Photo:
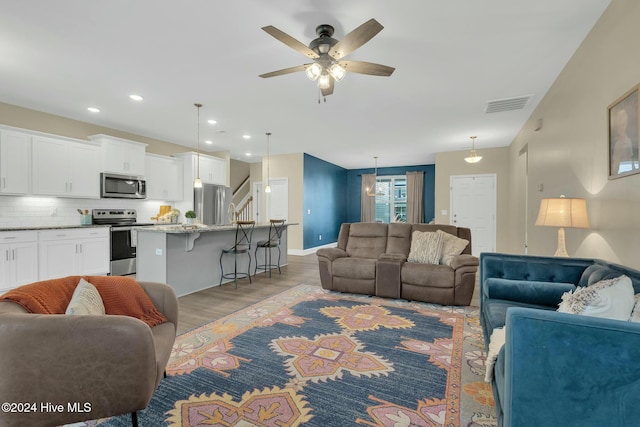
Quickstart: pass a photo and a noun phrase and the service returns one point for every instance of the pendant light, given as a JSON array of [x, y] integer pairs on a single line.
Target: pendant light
[[267, 188], [473, 157], [375, 190], [197, 183]]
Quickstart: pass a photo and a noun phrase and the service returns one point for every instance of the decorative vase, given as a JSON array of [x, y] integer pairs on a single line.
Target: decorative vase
[[191, 221]]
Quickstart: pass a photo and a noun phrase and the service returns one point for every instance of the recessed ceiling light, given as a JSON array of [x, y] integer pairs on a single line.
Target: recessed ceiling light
[[94, 109], [247, 154], [136, 97], [208, 141], [211, 122], [246, 136]]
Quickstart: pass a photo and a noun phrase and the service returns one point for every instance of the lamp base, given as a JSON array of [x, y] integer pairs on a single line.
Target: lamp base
[[562, 249]]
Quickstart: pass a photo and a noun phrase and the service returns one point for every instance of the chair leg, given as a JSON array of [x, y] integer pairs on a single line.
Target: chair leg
[[235, 269], [269, 257], [249, 268], [221, 270], [134, 419], [279, 253], [255, 271]]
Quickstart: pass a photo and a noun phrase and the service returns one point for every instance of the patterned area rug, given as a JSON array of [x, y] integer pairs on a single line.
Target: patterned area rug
[[317, 358]]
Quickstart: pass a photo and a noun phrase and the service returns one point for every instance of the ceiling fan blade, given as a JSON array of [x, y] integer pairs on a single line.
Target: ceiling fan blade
[[284, 71], [290, 41], [328, 91], [355, 39], [369, 68]]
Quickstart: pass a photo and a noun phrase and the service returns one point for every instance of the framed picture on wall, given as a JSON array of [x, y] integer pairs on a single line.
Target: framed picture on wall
[[623, 135]]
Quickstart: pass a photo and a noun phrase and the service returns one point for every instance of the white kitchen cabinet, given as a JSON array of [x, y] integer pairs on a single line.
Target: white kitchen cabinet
[[73, 252], [121, 156], [19, 259], [15, 162], [213, 170], [65, 168], [164, 178]]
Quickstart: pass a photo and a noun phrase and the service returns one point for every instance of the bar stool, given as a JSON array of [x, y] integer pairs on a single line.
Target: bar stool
[[244, 231], [276, 226]]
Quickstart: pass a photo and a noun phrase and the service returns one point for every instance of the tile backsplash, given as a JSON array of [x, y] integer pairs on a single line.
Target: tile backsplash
[[28, 211]]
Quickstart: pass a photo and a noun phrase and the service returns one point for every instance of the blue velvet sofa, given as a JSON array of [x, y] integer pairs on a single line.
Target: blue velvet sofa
[[558, 369]]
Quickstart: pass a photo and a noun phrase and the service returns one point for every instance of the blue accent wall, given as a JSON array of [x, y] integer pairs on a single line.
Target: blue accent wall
[[325, 196], [354, 185]]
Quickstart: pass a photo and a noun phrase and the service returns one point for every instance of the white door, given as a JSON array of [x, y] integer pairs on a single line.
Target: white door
[[473, 205], [257, 202], [278, 199]]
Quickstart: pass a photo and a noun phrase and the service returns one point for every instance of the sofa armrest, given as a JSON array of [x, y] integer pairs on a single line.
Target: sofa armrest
[[106, 360], [164, 298], [570, 370], [331, 254], [526, 291], [464, 260], [388, 275]]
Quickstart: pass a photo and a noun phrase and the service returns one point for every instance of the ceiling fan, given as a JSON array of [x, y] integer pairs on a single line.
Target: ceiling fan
[[327, 53]]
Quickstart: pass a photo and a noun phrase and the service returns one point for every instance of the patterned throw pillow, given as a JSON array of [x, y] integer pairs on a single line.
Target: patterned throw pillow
[[611, 299], [635, 313], [426, 247], [85, 300], [451, 246]]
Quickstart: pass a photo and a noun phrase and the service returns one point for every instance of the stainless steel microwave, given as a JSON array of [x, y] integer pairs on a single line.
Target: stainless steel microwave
[[122, 186]]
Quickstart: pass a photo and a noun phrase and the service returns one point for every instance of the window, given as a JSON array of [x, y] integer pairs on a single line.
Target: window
[[391, 199]]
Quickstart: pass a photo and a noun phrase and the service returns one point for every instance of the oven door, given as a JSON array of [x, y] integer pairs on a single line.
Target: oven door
[[123, 252]]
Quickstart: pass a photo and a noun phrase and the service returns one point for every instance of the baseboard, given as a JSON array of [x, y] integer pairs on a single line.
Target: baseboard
[[310, 251]]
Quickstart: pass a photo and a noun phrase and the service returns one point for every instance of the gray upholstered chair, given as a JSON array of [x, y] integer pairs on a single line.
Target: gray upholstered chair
[[106, 365]]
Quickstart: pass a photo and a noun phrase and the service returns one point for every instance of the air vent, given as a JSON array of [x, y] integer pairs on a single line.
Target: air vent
[[508, 104]]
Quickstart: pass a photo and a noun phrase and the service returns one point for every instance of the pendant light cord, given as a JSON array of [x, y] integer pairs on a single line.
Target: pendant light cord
[[268, 175], [198, 156]]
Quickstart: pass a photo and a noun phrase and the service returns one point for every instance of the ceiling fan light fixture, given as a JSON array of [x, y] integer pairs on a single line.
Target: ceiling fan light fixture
[[313, 71], [337, 72], [324, 81]]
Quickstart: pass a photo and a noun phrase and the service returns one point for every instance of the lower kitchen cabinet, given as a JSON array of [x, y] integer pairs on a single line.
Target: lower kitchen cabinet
[[19, 263], [74, 252]]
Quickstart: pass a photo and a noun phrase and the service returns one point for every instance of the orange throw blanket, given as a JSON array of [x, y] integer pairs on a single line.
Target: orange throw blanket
[[120, 296]]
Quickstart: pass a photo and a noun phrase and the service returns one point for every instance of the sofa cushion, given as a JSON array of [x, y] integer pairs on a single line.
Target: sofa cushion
[[434, 275], [426, 247], [526, 291], [357, 268], [609, 298], [494, 311], [399, 238], [451, 247], [596, 273], [367, 240], [85, 300]]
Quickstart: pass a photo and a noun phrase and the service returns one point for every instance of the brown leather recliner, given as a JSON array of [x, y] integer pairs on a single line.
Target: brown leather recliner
[[370, 258], [94, 366]]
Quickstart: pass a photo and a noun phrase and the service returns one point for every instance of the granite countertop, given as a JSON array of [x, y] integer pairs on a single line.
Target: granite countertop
[[199, 228], [48, 227]]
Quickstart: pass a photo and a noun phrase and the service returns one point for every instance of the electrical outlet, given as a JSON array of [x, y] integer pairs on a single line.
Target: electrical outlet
[[53, 211], [159, 252], [308, 211], [320, 237]]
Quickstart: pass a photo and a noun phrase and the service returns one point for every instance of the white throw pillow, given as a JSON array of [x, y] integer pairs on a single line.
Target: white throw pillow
[[426, 247], [635, 313], [85, 300], [611, 299], [451, 246]]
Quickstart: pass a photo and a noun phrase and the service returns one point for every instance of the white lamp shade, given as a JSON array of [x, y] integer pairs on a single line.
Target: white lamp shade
[[337, 72], [563, 212], [313, 71], [323, 81]]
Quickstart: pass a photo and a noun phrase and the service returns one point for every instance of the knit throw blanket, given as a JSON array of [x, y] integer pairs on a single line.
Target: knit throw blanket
[[120, 296]]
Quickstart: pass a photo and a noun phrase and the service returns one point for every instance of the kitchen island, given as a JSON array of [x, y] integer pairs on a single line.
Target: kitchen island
[[188, 257]]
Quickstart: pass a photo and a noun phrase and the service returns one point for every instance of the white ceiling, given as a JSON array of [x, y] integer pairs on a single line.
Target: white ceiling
[[451, 58]]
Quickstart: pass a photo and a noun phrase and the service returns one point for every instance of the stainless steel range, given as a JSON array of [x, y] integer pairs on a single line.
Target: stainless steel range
[[123, 237]]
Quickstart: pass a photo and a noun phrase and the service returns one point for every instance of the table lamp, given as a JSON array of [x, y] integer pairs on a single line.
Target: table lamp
[[563, 212]]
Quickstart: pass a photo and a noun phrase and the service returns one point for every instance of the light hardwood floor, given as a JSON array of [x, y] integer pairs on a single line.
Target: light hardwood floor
[[210, 304]]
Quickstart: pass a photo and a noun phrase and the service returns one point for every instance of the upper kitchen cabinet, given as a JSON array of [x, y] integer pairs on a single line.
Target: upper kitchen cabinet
[[121, 155], [213, 170], [164, 178], [15, 162], [65, 168]]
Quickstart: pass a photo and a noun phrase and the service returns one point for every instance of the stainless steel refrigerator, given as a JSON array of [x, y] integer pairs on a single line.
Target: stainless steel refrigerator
[[211, 203]]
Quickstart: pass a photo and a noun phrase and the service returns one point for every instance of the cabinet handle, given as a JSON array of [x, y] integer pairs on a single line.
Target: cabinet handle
[[13, 254], [6, 255], [80, 247], [61, 235], [71, 187], [4, 182]]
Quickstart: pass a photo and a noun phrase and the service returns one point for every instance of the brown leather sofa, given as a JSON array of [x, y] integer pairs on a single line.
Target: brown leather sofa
[[104, 365], [371, 258]]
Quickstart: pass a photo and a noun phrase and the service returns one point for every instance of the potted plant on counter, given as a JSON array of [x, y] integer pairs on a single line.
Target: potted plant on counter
[[190, 216]]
